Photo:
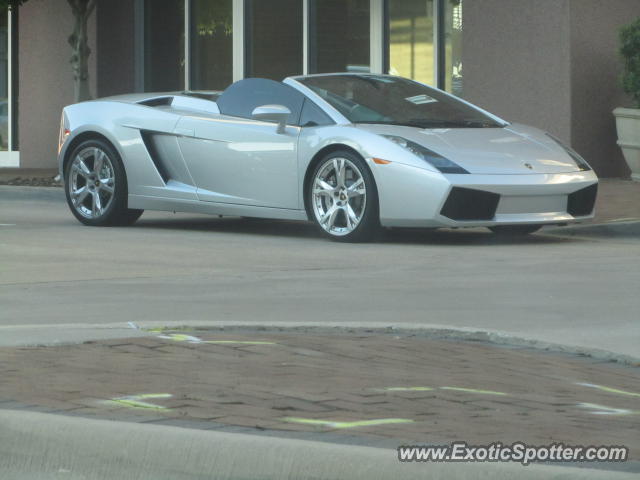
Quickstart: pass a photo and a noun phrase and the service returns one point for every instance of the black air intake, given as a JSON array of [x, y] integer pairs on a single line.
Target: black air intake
[[147, 138], [469, 204], [581, 203]]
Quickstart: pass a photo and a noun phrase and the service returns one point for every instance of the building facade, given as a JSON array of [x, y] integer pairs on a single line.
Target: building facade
[[548, 63]]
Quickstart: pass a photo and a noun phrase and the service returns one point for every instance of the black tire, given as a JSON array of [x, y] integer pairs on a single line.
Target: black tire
[[116, 211], [369, 218], [515, 230]]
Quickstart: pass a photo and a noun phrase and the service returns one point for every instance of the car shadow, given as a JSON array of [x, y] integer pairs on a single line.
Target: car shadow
[[299, 229], [233, 225], [464, 237]]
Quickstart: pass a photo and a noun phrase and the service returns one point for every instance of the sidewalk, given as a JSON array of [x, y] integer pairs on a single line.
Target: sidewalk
[[374, 390], [34, 177], [53, 447]]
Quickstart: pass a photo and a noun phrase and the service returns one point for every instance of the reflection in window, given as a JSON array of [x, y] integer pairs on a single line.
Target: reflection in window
[[453, 46], [339, 36], [211, 44], [241, 98], [273, 38], [4, 83], [411, 52], [164, 45]]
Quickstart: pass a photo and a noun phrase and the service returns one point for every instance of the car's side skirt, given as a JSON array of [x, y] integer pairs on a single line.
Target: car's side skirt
[[145, 202]]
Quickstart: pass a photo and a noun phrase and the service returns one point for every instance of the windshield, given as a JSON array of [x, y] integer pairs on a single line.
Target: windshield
[[395, 101]]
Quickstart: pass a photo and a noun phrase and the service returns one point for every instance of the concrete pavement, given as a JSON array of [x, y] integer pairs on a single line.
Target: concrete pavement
[[185, 269]]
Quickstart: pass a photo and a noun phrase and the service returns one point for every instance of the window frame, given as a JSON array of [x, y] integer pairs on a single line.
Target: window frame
[[11, 156], [378, 40]]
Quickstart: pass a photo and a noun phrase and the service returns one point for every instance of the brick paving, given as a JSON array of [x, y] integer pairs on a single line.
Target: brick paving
[[448, 390]]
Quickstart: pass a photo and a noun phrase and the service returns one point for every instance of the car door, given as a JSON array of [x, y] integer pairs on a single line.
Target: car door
[[236, 159]]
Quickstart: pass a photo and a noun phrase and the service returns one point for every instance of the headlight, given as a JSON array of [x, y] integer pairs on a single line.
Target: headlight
[[432, 158], [581, 162]]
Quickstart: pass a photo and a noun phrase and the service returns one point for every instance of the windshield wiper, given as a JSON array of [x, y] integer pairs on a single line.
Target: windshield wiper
[[480, 124], [424, 123], [451, 123], [400, 124]]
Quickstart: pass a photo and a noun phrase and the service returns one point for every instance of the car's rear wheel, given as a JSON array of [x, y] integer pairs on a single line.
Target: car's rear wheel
[[343, 199], [96, 185], [515, 230]]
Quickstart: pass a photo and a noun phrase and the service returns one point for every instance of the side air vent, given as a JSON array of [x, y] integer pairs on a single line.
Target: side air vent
[[147, 138], [469, 204], [581, 203], [165, 153], [157, 101]]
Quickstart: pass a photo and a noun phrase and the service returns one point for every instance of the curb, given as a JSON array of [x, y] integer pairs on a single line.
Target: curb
[[436, 332], [49, 446], [23, 193], [610, 229], [70, 334]]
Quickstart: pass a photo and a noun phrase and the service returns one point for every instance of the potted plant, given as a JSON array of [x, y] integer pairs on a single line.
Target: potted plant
[[628, 119]]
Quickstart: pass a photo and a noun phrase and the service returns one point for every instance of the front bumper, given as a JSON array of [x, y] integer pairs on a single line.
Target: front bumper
[[412, 197]]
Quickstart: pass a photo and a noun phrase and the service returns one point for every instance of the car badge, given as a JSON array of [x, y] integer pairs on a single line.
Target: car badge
[[529, 166]]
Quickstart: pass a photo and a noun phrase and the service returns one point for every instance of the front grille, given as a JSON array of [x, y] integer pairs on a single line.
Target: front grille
[[581, 203], [469, 204]]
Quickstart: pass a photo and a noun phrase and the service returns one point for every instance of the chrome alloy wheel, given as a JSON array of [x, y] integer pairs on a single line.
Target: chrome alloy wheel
[[92, 182], [339, 196]]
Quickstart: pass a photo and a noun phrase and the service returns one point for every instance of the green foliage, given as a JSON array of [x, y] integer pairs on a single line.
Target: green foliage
[[213, 18], [10, 4], [630, 51]]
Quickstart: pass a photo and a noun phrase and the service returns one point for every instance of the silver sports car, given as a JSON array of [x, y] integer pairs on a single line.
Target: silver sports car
[[351, 152]]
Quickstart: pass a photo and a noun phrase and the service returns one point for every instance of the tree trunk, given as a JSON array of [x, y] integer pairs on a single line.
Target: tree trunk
[[78, 40]]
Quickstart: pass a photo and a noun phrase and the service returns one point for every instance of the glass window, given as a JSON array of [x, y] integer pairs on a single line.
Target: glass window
[[241, 98], [453, 46], [395, 101], [411, 51], [211, 44], [163, 45], [339, 36], [273, 38], [313, 116]]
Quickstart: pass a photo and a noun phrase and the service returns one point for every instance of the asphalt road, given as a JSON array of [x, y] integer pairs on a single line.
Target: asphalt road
[[190, 269]]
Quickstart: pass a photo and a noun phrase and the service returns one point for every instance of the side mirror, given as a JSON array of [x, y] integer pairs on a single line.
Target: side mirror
[[272, 113]]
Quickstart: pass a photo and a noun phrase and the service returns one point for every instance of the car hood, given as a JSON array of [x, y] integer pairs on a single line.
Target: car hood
[[514, 149]]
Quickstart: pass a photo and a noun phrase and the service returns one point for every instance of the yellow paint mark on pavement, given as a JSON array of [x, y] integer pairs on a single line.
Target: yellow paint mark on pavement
[[136, 401], [604, 410], [180, 337], [335, 424], [609, 389], [629, 219], [473, 390], [240, 342], [456, 389], [408, 389]]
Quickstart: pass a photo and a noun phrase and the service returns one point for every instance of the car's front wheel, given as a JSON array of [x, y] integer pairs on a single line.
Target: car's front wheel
[[515, 230], [343, 199], [96, 185]]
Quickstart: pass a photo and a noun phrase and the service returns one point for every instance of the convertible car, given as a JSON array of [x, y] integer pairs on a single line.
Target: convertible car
[[350, 152]]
